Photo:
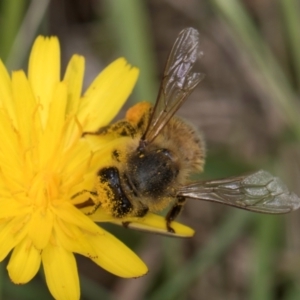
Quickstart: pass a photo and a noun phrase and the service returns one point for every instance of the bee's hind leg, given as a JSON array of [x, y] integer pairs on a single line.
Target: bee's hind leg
[[174, 212]]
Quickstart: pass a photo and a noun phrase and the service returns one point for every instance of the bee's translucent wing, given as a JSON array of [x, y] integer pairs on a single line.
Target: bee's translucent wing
[[177, 83], [259, 192]]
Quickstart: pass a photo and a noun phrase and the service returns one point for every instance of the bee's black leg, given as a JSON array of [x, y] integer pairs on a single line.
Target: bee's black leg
[[86, 203], [126, 224], [82, 192], [174, 212], [94, 209], [89, 202], [142, 211]]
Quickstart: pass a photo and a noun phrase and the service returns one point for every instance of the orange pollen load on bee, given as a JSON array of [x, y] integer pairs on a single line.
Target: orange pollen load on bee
[[135, 113]]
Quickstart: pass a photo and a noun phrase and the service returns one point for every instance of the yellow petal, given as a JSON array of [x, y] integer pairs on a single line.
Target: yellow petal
[[40, 227], [24, 262], [106, 95], [72, 238], [70, 214], [25, 106], [6, 100], [150, 223], [74, 79], [115, 257], [78, 158], [11, 208], [44, 71], [10, 153], [72, 132], [61, 273], [157, 224], [54, 129], [11, 233], [28, 124]]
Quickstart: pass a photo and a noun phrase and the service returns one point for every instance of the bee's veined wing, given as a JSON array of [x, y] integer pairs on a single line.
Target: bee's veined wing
[[258, 192], [177, 83]]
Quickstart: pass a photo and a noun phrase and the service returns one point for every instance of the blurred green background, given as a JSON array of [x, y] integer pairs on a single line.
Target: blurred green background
[[247, 108]]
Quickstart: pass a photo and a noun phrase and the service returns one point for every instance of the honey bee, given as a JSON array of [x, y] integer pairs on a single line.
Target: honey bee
[[152, 170]]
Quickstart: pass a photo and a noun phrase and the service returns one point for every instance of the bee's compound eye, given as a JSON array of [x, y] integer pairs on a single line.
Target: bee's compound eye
[[110, 182]]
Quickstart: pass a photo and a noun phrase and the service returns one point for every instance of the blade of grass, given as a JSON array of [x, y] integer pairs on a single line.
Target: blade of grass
[[267, 242], [12, 14], [27, 32], [293, 292], [279, 88], [290, 11], [174, 261], [3, 274], [230, 229], [129, 21], [91, 290], [32, 290]]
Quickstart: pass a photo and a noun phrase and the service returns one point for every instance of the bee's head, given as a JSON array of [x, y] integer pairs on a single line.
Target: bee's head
[[152, 171]]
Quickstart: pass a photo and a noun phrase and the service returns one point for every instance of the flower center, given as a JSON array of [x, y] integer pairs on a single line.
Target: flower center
[[44, 188]]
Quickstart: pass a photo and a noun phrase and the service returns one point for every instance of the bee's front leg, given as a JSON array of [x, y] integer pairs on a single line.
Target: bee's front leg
[[91, 201], [174, 212]]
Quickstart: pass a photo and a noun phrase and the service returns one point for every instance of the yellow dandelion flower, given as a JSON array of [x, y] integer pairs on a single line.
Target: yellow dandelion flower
[[44, 161]]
